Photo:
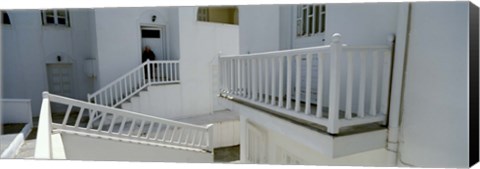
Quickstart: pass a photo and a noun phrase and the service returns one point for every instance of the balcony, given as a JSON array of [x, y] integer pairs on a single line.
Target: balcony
[[333, 86]]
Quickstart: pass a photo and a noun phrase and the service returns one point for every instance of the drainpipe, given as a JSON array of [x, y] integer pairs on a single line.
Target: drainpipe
[[396, 97]]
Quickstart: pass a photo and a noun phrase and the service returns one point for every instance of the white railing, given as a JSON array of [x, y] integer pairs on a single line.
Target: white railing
[[116, 123], [148, 73], [335, 85]]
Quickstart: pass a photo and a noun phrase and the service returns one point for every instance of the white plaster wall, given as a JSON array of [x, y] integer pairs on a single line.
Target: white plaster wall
[[200, 43], [434, 127], [28, 46], [118, 38], [89, 148], [162, 101], [307, 156], [259, 27], [16, 111], [361, 23]]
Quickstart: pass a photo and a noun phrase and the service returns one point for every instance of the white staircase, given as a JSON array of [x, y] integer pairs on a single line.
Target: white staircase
[[135, 81], [117, 126]]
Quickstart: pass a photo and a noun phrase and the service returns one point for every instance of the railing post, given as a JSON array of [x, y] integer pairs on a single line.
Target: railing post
[[334, 92], [43, 150], [210, 137], [149, 68]]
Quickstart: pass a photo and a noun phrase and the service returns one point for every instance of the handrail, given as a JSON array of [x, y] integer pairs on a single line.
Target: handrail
[[281, 52], [120, 78], [293, 82], [125, 124], [127, 85]]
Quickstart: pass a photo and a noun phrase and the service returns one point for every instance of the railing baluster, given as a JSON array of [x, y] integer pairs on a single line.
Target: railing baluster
[[102, 120], [90, 121], [254, 79], [260, 80], [244, 75], [110, 128], [289, 83], [180, 135], [111, 96], [177, 68], [122, 125], [319, 85], [267, 80], [125, 87], [201, 139], [348, 108], [132, 125], [171, 72], [159, 127], [116, 95], [149, 129], [272, 82], [298, 78], [308, 86], [165, 132], [239, 76], [373, 90], [280, 81], [140, 130], [67, 114], [187, 136], [386, 81], [173, 133], [363, 79], [130, 80], [79, 117], [194, 134], [159, 75]]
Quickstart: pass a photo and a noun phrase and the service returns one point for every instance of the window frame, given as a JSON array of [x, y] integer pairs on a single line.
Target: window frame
[[309, 20], [204, 15], [56, 17]]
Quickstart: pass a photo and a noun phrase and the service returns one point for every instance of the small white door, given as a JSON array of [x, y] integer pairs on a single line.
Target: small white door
[[60, 81], [155, 38]]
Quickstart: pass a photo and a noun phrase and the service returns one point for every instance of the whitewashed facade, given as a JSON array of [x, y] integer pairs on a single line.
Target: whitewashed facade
[[417, 61], [432, 102]]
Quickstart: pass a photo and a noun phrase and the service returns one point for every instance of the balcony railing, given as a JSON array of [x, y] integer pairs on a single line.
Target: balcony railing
[[335, 85], [148, 73], [115, 123]]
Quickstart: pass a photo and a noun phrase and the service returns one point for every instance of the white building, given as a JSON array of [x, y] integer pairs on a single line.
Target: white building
[[265, 64]]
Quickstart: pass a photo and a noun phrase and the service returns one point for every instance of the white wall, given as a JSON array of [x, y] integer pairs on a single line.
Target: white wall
[[361, 23], [118, 38], [89, 148], [434, 125], [15, 111], [278, 142], [200, 43], [259, 27], [29, 46], [198, 49]]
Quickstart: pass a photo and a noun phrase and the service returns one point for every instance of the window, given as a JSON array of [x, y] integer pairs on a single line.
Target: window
[[224, 14], [5, 18], [55, 17], [310, 20]]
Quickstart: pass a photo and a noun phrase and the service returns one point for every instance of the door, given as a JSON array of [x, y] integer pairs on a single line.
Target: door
[[60, 81], [154, 37]]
